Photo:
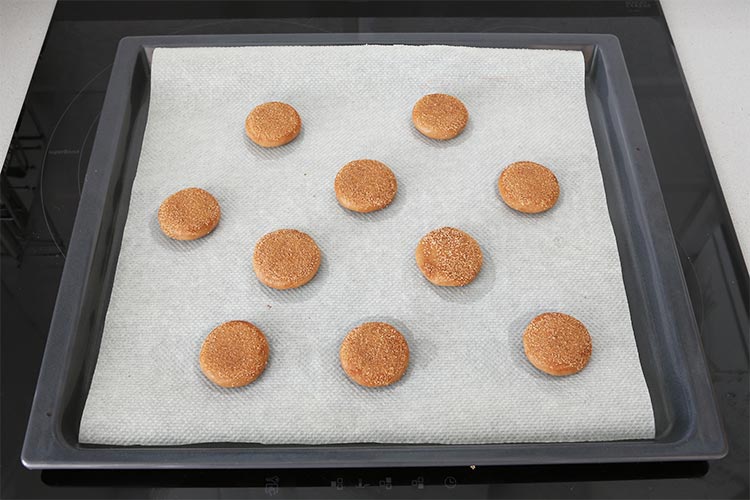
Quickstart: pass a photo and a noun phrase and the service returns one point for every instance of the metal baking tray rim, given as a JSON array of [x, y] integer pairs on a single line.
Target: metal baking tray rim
[[690, 426]]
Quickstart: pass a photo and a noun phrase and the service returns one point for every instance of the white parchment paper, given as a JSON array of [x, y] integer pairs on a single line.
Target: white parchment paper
[[468, 380]]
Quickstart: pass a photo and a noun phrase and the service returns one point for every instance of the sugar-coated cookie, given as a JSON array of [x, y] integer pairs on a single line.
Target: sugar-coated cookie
[[365, 186], [439, 116], [273, 124], [449, 257], [374, 354], [234, 354], [557, 344], [286, 258], [528, 187], [189, 214]]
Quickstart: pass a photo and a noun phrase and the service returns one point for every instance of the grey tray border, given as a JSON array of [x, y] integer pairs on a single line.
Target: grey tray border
[[701, 436]]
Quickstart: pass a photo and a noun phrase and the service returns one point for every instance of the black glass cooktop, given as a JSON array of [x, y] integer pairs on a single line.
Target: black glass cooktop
[[45, 168]]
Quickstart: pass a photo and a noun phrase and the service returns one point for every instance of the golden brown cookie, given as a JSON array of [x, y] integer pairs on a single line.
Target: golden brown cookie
[[439, 116], [528, 187], [557, 344], [374, 354], [365, 185], [273, 124], [189, 214], [234, 354], [449, 257], [286, 258]]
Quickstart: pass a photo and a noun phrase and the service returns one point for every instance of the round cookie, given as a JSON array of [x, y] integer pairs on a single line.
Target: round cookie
[[273, 124], [189, 214], [234, 354], [365, 186], [440, 116], [449, 257], [286, 258], [557, 344], [374, 354], [528, 187]]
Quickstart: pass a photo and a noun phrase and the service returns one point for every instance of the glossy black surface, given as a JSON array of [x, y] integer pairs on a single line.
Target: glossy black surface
[[41, 186]]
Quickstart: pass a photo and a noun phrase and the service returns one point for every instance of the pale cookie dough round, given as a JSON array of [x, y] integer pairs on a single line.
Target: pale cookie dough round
[[557, 344], [365, 186], [374, 354], [449, 257], [286, 258], [234, 354], [189, 214], [528, 187], [273, 124], [440, 116]]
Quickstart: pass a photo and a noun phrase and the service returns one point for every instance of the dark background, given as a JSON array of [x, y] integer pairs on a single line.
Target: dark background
[[45, 168]]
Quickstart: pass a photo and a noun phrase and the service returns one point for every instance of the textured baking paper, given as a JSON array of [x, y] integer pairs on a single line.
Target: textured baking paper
[[468, 380]]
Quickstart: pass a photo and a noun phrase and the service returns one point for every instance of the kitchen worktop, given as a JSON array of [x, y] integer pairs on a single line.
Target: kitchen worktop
[[59, 123]]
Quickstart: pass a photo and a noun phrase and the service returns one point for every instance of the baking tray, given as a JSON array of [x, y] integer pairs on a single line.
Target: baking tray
[[687, 423]]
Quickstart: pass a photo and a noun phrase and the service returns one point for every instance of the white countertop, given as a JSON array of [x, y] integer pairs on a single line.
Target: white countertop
[[23, 25], [712, 40]]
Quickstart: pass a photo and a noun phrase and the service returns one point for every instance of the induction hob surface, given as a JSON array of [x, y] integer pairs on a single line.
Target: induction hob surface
[[45, 168]]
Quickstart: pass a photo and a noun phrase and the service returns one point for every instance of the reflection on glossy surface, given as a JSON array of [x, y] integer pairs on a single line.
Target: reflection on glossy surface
[[56, 131]]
